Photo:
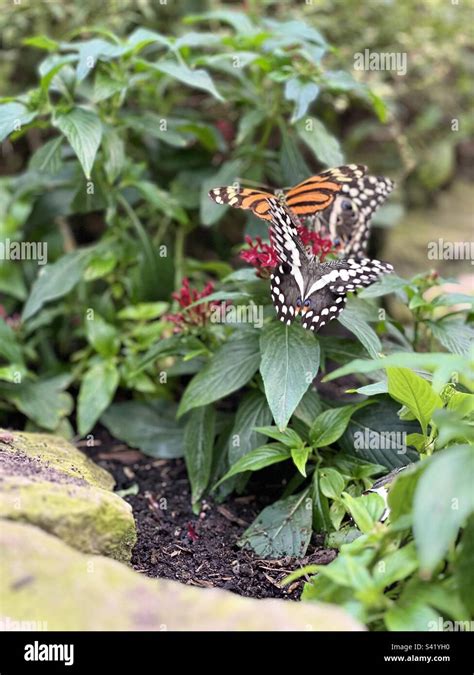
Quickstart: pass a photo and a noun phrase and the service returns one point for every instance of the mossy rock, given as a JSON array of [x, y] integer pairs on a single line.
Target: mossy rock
[[47, 482], [45, 584], [49, 456]]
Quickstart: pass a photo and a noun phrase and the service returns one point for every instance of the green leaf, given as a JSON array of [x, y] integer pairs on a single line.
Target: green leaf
[[41, 42], [44, 401], [351, 320], [143, 311], [47, 159], [289, 437], [402, 491], [14, 116], [389, 283], [149, 426], [358, 511], [98, 387], [162, 201], [302, 93], [252, 412], [395, 566], [232, 366], [239, 21], [10, 348], [411, 390], [329, 425], [300, 457], [83, 130], [114, 154], [290, 362], [198, 447], [55, 281], [309, 407], [464, 566], [248, 123], [292, 163], [257, 459], [444, 499], [453, 334], [440, 364], [378, 435], [282, 529], [196, 78], [331, 483], [102, 336], [324, 145], [322, 521]]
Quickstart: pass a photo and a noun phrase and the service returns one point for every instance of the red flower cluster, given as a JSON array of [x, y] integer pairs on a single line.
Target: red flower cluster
[[263, 256], [196, 316]]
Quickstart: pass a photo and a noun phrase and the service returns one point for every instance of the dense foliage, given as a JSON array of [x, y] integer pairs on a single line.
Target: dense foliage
[[141, 321]]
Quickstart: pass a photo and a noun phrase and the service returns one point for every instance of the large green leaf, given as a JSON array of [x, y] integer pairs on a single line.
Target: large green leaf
[[378, 435], [252, 412], [352, 320], [83, 130], [54, 281], [318, 139], [282, 529], [290, 362], [43, 401], [302, 93], [198, 447], [455, 335], [196, 78], [415, 393], [98, 387], [444, 499], [229, 369], [149, 426]]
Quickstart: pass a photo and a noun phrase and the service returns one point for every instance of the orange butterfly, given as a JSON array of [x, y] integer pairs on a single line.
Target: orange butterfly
[[312, 195]]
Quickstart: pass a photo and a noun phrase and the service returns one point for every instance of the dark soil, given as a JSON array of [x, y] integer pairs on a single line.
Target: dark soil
[[199, 550]]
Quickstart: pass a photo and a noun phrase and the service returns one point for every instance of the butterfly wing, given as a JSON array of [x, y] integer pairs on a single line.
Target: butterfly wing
[[284, 292], [318, 192], [348, 218], [331, 282], [306, 198], [243, 198]]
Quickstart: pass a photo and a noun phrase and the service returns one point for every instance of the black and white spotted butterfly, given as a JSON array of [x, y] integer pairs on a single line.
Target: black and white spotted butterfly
[[301, 285], [347, 220]]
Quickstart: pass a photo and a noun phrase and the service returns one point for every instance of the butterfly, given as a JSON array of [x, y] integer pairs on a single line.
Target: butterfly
[[307, 198], [301, 285], [347, 220]]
